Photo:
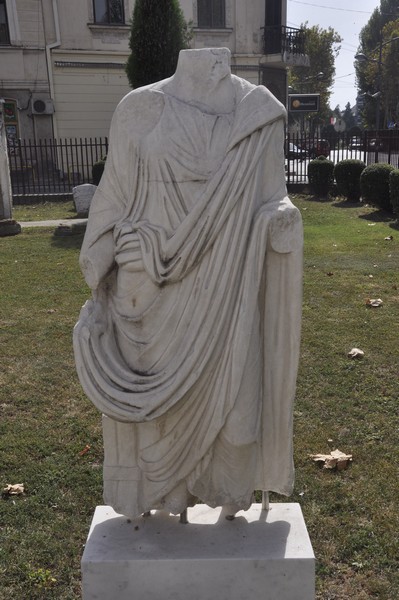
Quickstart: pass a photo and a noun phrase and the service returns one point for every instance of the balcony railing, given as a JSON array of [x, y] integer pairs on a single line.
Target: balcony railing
[[280, 39]]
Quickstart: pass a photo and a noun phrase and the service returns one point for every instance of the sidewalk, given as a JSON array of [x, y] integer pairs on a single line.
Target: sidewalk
[[54, 223]]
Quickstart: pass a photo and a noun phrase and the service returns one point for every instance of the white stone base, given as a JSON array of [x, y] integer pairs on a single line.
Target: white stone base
[[267, 556]]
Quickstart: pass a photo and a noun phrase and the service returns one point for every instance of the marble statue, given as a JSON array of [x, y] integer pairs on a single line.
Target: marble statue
[[189, 345]]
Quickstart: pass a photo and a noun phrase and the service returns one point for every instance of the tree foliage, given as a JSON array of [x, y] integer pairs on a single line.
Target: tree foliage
[[158, 33], [322, 46], [381, 72], [370, 35], [348, 117]]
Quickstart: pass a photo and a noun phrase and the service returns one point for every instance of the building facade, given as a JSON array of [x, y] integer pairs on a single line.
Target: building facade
[[62, 62], [261, 44]]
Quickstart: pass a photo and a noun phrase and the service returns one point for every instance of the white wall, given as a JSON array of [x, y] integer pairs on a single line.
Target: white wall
[[85, 98]]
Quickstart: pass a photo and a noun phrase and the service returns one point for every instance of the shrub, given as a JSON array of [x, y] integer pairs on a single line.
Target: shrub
[[347, 176], [394, 190], [321, 176], [158, 33], [98, 170], [374, 185]]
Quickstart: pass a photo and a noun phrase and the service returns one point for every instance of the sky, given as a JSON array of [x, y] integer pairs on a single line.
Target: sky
[[347, 17]]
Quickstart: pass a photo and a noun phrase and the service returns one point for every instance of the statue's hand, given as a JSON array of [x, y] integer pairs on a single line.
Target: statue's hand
[[127, 247], [286, 229]]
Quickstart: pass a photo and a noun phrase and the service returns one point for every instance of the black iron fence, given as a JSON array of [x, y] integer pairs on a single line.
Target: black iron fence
[[52, 167], [279, 38], [370, 147]]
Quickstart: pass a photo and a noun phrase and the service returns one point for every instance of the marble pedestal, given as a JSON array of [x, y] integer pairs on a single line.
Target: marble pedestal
[[260, 555]]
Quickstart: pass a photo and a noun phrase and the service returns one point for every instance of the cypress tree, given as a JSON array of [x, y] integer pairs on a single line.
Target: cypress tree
[[158, 33]]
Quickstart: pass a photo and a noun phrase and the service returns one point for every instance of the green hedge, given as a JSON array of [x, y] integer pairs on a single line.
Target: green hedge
[[321, 176], [374, 185], [98, 170], [394, 190], [347, 176]]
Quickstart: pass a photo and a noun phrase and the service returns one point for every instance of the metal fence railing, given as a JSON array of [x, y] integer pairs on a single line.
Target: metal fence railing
[[51, 167], [54, 167], [370, 147]]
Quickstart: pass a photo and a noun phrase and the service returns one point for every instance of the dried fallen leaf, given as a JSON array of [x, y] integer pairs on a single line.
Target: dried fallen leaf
[[335, 460], [371, 224], [15, 489], [356, 353], [85, 450], [375, 302], [330, 274], [51, 311], [343, 459]]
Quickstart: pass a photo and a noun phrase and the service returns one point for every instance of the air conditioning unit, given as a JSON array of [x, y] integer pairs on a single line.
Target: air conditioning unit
[[42, 106]]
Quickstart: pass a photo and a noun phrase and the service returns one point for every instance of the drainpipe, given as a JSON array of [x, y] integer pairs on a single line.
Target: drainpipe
[[49, 48]]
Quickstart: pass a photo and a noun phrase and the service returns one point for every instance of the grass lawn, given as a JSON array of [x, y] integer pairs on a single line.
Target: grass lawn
[[50, 435], [43, 211]]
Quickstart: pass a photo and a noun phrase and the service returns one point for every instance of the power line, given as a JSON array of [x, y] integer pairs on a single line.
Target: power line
[[342, 76], [364, 12], [349, 44]]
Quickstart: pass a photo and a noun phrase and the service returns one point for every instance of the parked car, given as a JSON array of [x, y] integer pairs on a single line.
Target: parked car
[[356, 143], [319, 148], [376, 144], [293, 151]]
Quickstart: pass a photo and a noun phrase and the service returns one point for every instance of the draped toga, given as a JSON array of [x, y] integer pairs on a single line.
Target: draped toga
[[190, 344]]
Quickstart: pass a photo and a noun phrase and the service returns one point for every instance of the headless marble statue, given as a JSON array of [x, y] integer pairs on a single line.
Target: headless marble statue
[[190, 343]]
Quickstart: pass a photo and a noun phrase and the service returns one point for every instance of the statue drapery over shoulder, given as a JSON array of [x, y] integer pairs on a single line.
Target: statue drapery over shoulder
[[190, 344]]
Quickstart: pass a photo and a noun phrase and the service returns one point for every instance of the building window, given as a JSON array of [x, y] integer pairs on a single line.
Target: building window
[[4, 31], [211, 14], [109, 12]]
